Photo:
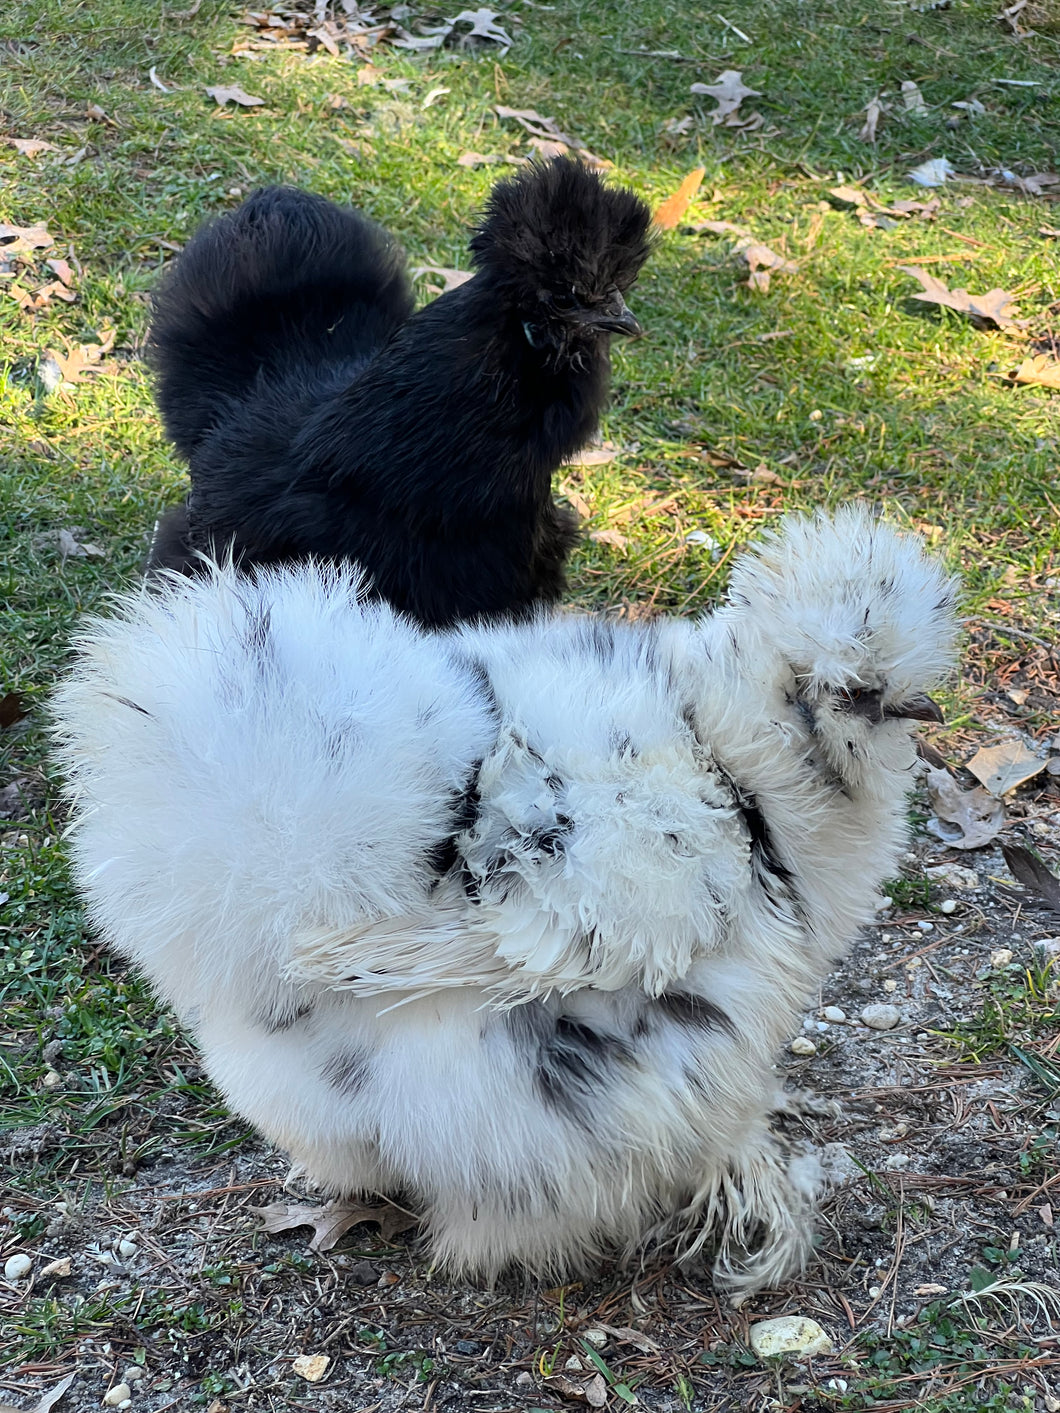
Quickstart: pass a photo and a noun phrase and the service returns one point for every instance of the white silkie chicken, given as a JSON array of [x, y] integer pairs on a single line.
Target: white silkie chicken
[[512, 919]]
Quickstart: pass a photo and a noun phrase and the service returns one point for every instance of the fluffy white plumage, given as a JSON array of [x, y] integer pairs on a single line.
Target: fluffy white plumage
[[511, 919]]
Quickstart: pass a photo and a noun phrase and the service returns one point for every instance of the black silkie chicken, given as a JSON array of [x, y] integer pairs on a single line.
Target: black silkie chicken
[[319, 416], [513, 919]]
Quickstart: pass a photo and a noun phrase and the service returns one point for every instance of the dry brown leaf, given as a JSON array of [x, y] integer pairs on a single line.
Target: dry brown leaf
[[477, 159], [97, 115], [1041, 369], [991, 307], [763, 262], [31, 146], [21, 240], [1033, 874], [721, 228], [674, 207], [873, 113], [57, 368], [70, 547], [729, 91], [232, 93], [967, 819], [333, 1220], [1001, 768], [610, 537], [912, 98], [547, 138], [62, 269], [11, 709]]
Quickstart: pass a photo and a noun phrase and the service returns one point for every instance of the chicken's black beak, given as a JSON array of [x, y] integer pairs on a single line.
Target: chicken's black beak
[[612, 317], [918, 708]]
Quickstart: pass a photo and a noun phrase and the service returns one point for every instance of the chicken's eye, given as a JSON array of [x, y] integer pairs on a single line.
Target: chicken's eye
[[564, 299]]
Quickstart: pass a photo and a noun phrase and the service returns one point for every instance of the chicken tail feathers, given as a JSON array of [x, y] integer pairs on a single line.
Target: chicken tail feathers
[[286, 281]]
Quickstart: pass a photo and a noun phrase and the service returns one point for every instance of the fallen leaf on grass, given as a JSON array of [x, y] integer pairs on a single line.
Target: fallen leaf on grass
[[19, 240], [232, 93], [934, 173], [11, 710], [62, 269], [609, 537], [547, 137], [333, 1220], [669, 213], [94, 112], [596, 454], [966, 819], [31, 146], [873, 112], [729, 91], [70, 547], [1041, 369], [483, 25], [721, 228], [477, 159], [1001, 768], [1033, 874], [58, 369], [763, 263], [990, 308], [912, 98], [451, 279]]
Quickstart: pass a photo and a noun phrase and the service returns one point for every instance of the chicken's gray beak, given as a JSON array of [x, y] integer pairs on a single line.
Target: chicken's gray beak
[[918, 708], [614, 317]]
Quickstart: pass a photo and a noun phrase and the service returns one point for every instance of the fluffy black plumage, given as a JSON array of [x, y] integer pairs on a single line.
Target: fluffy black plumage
[[318, 418]]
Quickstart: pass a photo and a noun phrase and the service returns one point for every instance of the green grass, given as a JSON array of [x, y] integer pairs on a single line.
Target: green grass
[[862, 393]]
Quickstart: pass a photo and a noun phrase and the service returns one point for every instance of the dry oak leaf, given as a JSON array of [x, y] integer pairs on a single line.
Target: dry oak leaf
[[1041, 369], [31, 146], [670, 211], [232, 93], [763, 262], [966, 819], [991, 307], [729, 90], [20, 240], [609, 537], [333, 1220], [1001, 768]]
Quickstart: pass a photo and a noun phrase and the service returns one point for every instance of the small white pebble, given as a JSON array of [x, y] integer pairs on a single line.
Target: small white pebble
[[127, 1247], [51, 1079], [880, 1017], [120, 1396], [803, 1045], [890, 985], [523, 1379], [885, 938], [834, 1015], [926, 926], [1000, 957], [574, 1364], [874, 1291], [15, 1267], [133, 1374], [597, 1338], [947, 906]]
